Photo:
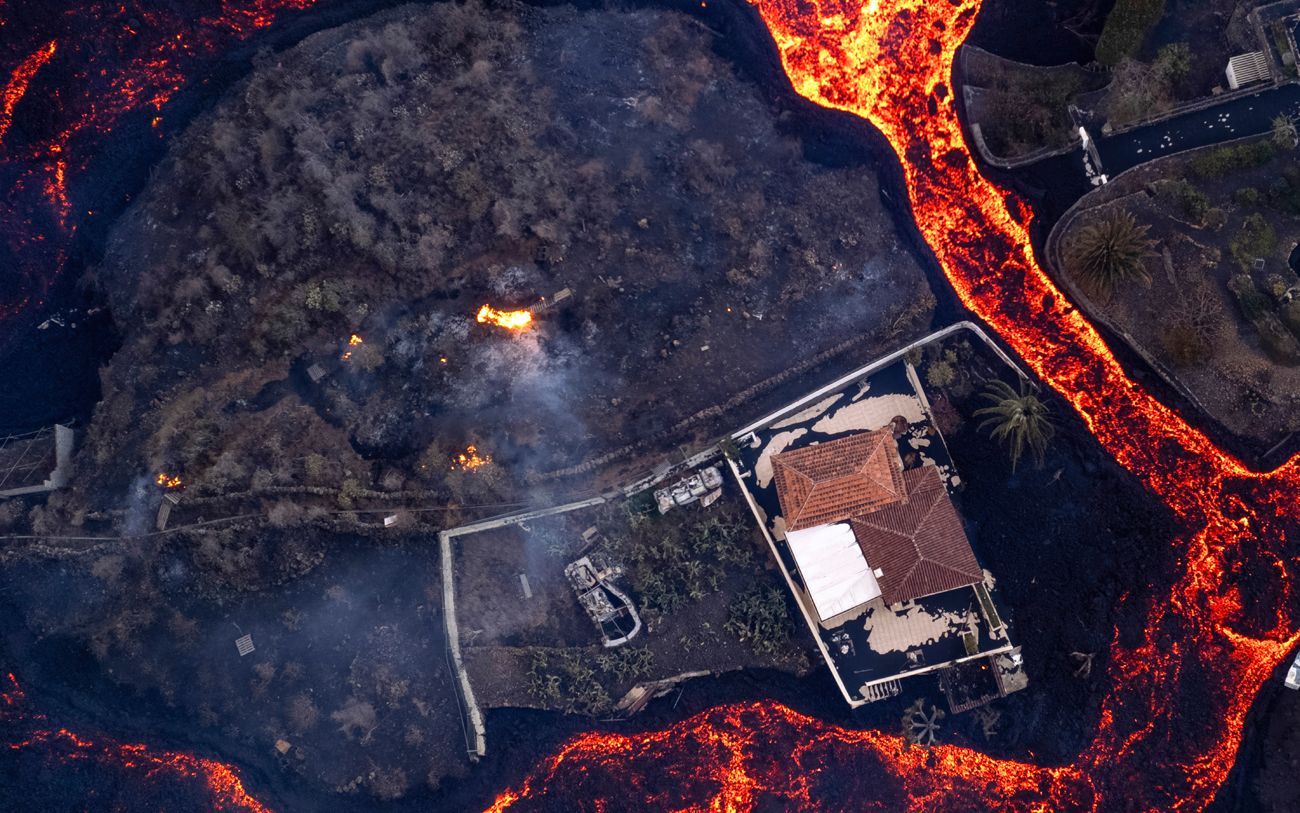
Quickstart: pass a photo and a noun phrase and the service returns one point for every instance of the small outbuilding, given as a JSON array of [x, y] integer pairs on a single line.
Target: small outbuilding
[[1247, 69]]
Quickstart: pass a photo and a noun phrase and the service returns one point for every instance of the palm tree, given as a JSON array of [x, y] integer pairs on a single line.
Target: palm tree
[[1018, 418], [1109, 251]]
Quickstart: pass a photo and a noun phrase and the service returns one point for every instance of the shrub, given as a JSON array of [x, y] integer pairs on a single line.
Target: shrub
[[1220, 161], [1192, 202], [760, 618], [1181, 343], [564, 680], [1279, 344], [940, 375], [1256, 239], [1254, 305], [1290, 316], [1247, 196], [1126, 28]]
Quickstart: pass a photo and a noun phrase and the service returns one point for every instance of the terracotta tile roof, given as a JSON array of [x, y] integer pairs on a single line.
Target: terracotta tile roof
[[919, 546], [838, 479]]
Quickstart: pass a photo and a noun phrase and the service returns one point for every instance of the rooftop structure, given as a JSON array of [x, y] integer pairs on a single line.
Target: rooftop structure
[[853, 491], [839, 479], [918, 544], [1247, 69]]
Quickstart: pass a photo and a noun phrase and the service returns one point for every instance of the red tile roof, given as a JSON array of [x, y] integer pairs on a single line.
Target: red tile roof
[[919, 545], [838, 479]]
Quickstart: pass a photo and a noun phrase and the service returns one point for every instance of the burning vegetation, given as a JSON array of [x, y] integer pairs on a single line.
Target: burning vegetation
[[353, 341], [510, 320], [470, 459], [168, 480]]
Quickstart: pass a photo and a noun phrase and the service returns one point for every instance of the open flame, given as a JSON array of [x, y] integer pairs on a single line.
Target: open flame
[[470, 459], [168, 480], [510, 320], [353, 341]]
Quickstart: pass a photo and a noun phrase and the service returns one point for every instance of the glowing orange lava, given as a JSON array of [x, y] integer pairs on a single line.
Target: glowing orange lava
[[223, 785], [16, 87], [108, 60], [1208, 644], [511, 320], [168, 481], [1206, 649]]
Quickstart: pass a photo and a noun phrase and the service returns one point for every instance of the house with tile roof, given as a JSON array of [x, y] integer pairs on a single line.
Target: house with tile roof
[[854, 492]]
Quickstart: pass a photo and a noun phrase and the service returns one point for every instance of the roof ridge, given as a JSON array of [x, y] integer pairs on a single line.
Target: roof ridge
[[811, 486], [890, 486]]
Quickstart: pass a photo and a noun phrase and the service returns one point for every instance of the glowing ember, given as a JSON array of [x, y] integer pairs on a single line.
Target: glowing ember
[[510, 320], [470, 459], [168, 481], [1174, 709], [16, 88], [353, 341]]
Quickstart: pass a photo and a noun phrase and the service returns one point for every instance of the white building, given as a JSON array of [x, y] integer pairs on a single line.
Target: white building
[[1247, 69]]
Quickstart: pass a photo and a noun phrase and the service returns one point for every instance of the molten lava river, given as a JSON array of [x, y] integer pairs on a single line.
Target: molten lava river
[[1207, 647]]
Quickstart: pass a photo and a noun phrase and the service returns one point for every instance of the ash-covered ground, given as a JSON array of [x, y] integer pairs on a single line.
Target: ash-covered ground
[[385, 180], [389, 178]]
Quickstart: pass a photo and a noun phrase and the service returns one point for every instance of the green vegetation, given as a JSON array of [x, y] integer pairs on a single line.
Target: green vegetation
[[760, 617], [1231, 158], [565, 680], [1247, 196], [1278, 342], [1289, 313], [681, 556], [1018, 418], [1108, 252], [941, 374], [988, 607], [1126, 29], [1255, 240], [574, 681], [1027, 111], [1192, 202], [1138, 90], [1284, 132]]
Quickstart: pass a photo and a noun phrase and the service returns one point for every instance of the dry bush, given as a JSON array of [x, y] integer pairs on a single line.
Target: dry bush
[[302, 713], [356, 718]]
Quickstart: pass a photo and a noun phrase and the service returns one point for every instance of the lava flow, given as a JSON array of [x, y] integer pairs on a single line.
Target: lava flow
[[1206, 650], [1177, 698], [72, 74], [172, 775]]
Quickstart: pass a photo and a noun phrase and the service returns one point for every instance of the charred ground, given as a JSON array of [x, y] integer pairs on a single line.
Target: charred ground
[[389, 178], [385, 180]]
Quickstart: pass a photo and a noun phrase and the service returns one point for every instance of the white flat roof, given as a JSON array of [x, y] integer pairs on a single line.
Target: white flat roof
[[834, 571]]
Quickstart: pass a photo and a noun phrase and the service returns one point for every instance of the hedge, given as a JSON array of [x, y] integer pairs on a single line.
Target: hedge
[[1127, 28]]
